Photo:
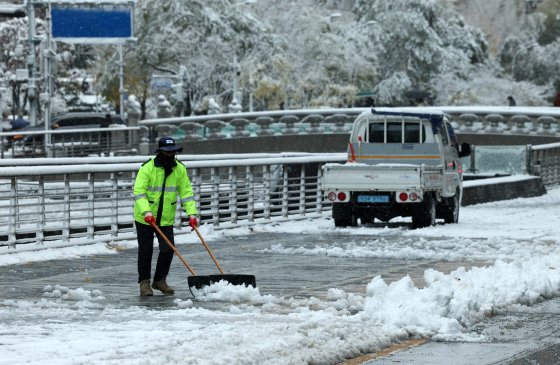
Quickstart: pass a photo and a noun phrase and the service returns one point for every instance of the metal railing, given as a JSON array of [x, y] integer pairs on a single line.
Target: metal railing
[[503, 121], [491, 120], [70, 142], [44, 206], [544, 160], [50, 206]]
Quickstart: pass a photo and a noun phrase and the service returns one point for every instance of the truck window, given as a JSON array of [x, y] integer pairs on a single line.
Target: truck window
[[452, 136], [412, 133], [376, 133], [394, 132]]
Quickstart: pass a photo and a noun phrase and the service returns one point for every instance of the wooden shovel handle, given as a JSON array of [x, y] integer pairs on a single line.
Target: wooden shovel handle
[[172, 247], [208, 250]]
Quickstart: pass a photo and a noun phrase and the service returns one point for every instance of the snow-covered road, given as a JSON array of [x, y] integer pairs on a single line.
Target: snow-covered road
[[373, 286]]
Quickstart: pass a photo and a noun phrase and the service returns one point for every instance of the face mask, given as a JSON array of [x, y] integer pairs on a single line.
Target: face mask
[[167, 162]]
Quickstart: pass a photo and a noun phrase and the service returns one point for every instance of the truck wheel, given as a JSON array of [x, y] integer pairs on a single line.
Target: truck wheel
[[451, 210], [426, 216], [343, 215]]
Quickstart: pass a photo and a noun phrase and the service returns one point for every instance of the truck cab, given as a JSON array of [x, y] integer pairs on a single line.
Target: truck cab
[[399, 164], [416, 139]]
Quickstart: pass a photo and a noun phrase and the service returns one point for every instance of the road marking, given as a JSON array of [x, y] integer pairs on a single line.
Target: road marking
[[385, 352]]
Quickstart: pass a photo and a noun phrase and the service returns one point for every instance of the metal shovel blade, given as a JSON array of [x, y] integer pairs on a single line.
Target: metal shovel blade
[[200, 281]]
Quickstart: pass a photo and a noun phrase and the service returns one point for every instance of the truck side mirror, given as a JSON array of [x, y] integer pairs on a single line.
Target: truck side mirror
[[464, 149]]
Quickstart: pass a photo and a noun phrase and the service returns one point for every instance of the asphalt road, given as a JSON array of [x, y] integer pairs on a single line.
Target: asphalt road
[[530, 337]]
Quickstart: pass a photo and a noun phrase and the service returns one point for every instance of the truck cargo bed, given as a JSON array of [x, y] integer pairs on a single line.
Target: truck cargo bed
[[382, 177]]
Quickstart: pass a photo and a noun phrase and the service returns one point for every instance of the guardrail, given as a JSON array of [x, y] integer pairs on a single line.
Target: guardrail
[[508, 122], [544, 160], [496, 120], [50, 206], [69, 142], [60, 205]]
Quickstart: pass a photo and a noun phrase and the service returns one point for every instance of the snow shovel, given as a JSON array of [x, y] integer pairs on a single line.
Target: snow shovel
[[199, 281], [235, 279]]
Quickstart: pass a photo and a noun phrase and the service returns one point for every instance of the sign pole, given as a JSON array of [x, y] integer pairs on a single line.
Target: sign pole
[[48, 83], [32, 86], [1, 121], [121, 81]]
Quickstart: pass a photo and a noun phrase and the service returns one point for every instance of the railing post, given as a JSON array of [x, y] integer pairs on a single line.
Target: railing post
[[529, 159], [215, 198], [66, 210], [266, 191], [196, 187], [12, 212], [41, 213], [302, 190], [285, 192], [250, 193], [319, 192], [114, 204], [473, 159], [91, 205], [233, 193]]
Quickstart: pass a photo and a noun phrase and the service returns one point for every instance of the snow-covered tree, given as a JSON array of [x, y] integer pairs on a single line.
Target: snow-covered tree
[[12, 56], [310, 53], [533, 54], [206, 37], [498, 19], [69, 67], [420, 40], [321, 57]]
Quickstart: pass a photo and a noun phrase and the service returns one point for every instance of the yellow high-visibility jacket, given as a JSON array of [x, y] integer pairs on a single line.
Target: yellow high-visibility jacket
[[149, 189]]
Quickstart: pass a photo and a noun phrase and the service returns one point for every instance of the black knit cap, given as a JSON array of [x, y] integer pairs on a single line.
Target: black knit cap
[[167, 144]]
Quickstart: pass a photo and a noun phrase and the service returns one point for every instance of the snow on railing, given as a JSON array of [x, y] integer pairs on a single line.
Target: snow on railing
[[60, 205], [142, 158]]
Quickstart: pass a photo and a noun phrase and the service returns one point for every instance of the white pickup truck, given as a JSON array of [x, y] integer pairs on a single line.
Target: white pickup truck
[[399, 164]]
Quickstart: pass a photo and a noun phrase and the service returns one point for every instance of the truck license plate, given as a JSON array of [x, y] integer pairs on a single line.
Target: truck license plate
[[373, 199]]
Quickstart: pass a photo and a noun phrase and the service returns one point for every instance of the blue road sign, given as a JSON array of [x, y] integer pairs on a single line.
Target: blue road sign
[[91, 25]]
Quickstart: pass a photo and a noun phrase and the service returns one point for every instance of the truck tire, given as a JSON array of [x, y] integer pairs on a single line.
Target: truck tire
[[450, 212], [343, 215], [426, 215]]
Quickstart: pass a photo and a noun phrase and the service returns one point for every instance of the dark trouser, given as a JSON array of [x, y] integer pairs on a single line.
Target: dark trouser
[[145, 236]]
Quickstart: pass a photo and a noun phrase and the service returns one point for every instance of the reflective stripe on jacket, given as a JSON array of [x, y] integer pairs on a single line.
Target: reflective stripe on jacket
[[148, 188]]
